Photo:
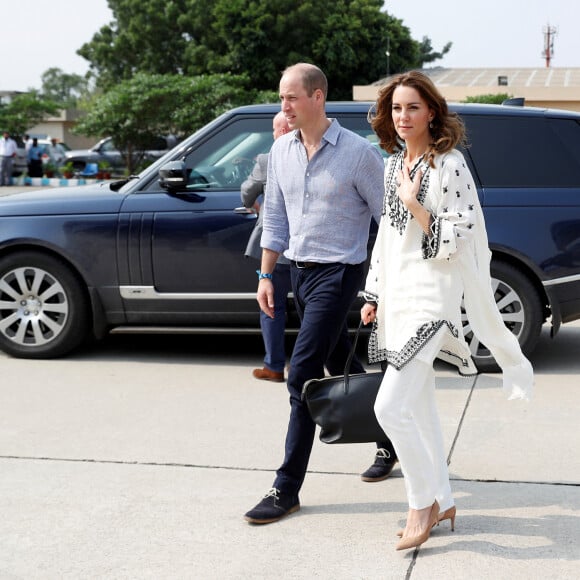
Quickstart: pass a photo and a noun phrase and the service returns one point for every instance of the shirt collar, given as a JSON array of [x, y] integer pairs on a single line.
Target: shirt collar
[[330, 135]]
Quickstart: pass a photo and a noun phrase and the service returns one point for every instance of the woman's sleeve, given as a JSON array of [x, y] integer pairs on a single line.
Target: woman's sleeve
[[454, 218], [371, 288]]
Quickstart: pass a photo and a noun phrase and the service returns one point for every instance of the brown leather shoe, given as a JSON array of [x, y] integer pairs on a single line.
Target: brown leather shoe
[[268, 375]]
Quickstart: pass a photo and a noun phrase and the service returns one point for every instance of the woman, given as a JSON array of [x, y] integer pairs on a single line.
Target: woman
[[431, 249]]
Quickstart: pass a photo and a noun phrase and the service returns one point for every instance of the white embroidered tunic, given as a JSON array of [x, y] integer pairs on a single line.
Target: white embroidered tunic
[[418, 281]]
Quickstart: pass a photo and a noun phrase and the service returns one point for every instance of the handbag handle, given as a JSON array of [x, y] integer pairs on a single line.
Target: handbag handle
[[350, 357]]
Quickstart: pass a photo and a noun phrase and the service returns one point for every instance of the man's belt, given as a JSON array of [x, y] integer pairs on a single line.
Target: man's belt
[[304, 265]]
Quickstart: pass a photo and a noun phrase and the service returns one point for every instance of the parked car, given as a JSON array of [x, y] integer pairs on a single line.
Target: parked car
[[163, 252], [20, 162], [105, 151]]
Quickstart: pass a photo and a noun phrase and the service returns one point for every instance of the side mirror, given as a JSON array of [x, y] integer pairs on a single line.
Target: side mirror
[[173, 176]]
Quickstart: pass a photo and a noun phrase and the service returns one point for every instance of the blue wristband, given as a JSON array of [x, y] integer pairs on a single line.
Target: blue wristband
[[263, 275]]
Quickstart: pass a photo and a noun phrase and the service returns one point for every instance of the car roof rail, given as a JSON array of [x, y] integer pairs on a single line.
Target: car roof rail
[[514, 102]]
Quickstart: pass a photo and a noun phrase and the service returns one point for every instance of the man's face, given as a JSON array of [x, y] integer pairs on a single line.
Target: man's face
[[299, 109]]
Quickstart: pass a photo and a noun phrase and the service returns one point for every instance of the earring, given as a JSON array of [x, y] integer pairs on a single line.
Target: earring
[[430, 124]]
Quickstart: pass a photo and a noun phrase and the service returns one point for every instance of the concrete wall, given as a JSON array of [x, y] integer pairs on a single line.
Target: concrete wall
[[60, 126]]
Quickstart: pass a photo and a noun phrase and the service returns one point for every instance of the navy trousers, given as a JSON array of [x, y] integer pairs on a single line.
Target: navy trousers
[[323, 296], [273, 328]]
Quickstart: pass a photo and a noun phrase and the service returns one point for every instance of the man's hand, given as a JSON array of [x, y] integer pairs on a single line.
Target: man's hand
[[265, 296]]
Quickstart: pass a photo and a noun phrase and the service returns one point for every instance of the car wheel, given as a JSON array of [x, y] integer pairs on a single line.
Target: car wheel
[[520, 307], [44, 310]]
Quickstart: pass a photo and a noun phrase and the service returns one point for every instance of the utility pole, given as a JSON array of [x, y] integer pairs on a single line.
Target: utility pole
[[549, 33]]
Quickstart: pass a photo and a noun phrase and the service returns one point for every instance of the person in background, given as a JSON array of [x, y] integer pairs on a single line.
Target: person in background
[[323, 187], [35, 159], [56, 152], [431, 251], [7, 154], [273, 328]]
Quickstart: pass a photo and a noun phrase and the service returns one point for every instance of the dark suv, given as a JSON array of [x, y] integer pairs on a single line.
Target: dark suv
[[164, 252]]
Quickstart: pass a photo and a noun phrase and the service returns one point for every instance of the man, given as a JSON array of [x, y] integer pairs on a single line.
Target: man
[[324, 184], [35, 159], [7, 153], [56, 152], [273, 328]]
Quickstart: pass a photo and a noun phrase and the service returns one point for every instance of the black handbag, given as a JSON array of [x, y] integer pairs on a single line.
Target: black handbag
[[343, 406]]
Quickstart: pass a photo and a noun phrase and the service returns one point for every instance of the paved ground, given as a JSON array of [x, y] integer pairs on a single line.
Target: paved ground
[[138, 458]]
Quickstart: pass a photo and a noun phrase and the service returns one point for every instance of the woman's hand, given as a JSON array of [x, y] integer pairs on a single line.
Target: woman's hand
[[368, 312], [408, 189]]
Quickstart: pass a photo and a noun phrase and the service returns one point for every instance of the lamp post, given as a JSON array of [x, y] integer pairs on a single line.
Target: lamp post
[[388, 54]]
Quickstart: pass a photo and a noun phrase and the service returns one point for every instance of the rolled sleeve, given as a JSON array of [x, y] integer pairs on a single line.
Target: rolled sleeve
[[453, 222]]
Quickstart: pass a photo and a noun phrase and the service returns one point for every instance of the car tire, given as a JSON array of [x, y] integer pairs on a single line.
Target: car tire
[[44, 309], [521, 309]]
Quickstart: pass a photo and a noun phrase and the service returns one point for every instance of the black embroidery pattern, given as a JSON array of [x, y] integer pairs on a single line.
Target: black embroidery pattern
[[430, 244], [416, 343], [392, 205]]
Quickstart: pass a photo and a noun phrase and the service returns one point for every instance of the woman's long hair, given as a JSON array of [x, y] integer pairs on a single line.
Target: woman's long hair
[[446, 129]]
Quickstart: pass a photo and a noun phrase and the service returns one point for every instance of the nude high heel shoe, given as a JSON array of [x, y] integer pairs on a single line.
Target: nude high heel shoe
[[448, 514], [414, 541]]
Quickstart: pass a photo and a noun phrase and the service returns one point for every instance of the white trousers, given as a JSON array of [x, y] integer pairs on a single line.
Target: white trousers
[[406, 410]]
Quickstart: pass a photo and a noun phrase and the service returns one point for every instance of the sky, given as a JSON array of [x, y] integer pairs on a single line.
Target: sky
[[495, 33]]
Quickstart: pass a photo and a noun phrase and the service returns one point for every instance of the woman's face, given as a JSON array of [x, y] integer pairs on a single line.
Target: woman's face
[[411, 115]]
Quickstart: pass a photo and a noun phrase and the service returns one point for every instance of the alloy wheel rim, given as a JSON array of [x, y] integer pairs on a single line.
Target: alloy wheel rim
[[34, 307]]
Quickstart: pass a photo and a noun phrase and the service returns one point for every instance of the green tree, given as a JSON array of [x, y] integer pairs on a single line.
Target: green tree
[[146, 36], [64, 89], [494, 99], [427, 54], [134, 112], [25, 111], [347, 38]]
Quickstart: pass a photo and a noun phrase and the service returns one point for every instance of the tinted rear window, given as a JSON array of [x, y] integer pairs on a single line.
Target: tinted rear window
[[525, 151]]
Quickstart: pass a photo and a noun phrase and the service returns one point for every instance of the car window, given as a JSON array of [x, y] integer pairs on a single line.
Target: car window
[[108, 147], [360, 125], [568, 131], [226, 159], [505, 151]]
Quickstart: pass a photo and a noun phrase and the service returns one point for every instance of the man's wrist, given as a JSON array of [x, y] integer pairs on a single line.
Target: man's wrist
[[262, 275]]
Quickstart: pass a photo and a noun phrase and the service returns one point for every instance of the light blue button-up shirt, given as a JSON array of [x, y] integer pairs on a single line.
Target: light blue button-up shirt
[[320, 210]]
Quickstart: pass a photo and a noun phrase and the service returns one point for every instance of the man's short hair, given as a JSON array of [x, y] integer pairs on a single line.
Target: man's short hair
[[312, 77]]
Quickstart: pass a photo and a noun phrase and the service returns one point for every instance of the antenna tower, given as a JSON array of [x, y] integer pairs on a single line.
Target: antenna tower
[[548, 52]]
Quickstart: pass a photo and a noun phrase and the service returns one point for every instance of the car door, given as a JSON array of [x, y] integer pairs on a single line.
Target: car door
[[183, 252]]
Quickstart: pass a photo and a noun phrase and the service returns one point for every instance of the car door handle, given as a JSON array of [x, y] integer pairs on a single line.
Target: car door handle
[[244, 211]]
